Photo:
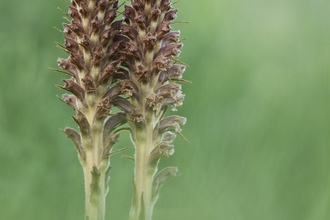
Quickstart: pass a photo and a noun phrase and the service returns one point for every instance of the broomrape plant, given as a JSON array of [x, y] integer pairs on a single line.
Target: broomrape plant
[[127, 63]]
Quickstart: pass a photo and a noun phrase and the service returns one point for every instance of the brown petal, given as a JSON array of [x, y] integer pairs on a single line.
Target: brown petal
[[110, 16], [82, 122], [103, 108], [129, 88], [161, 63], [163, 29], [165, 5], [113, 122], [76, 139], [141, 21], [173, 121], [108, 71], [129, 12], [71, 45], [66, 64], [70, 100], [155, 12], [113, 92], [74, 88], [111, 140], [88, 83], [170, 50], [129, 32], [164, 149], [149, 40], [73, 12], [170, 15]]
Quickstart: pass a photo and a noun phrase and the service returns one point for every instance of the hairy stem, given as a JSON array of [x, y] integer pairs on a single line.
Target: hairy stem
[[143, 201], [95, 173], [94, 193]]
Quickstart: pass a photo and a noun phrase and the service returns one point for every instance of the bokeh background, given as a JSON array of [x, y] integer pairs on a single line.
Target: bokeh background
[[258, 116]]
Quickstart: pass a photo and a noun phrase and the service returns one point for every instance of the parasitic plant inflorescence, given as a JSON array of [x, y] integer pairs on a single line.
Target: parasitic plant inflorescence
[[148, 47], [129, 64], [94, 70]]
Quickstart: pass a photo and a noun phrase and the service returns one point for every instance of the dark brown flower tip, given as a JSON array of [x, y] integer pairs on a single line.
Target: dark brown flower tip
[[88, 83], [135, 116], [102, 4], [170, 15], [77, 60], [98, 55], [103, 108], [129, 32], [114, 122], [173, 122], [107, 35], [85, 42], [74, 14], [110, 16], [165, 5], [77, 29], [83, 9], [130, 49], [161, 63], [129, 12], [141, 21], [150, 41], [163, 29], [108, 71], [71, 45], [74, 88], [129, 88], [141, 73], [67, 30], [155, 12], [83, 123], [137, 5]]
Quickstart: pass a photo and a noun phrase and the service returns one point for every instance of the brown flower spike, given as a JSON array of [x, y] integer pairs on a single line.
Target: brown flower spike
[[147, 50], [128, 64], [94, 69]]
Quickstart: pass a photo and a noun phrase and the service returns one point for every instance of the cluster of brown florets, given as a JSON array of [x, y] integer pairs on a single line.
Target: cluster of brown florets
[[94, 68], [127, 63]]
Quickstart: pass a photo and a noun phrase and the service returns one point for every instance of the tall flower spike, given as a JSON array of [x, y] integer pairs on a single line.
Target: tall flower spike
[[148, 45], [94, 68]]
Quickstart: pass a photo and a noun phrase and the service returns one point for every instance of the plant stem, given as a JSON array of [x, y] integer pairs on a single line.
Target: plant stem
[[94, 194], [95, 173], [143, 203]]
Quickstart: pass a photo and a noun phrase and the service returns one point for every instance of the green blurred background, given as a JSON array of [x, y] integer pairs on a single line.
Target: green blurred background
[[258, 116]]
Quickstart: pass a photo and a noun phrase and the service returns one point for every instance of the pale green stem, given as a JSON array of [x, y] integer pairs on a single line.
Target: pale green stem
[[95, 174], [143, 201]]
